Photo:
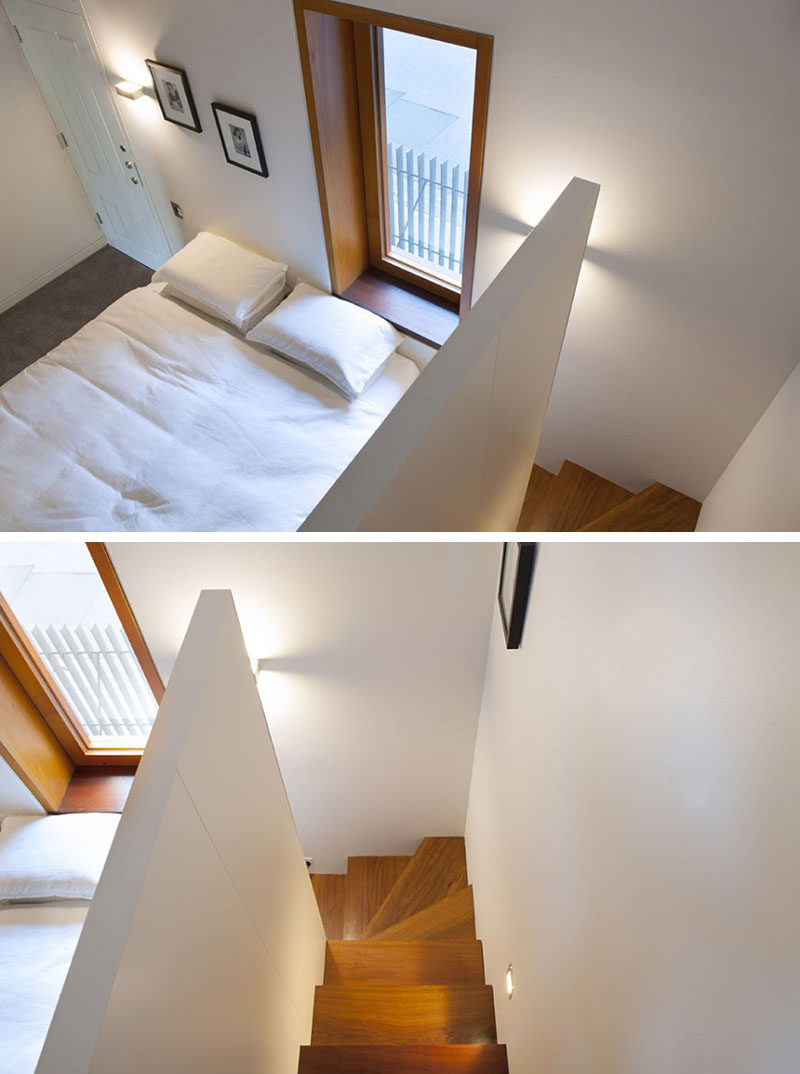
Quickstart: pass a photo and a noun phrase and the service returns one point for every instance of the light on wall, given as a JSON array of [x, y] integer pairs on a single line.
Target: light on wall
[[510, 980], [131, 90]]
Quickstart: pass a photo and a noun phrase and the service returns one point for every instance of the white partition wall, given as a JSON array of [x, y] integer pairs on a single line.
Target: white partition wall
[[456, 452], [203, 943]]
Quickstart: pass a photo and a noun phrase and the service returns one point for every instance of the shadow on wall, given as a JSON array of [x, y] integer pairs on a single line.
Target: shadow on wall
[[494, 217]]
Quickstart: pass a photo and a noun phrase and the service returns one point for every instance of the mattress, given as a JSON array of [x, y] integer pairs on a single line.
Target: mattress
[[37, 942], [154, 418]]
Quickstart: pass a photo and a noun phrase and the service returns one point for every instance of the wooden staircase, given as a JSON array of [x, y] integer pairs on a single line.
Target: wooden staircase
[[404, 986], [577, 499]]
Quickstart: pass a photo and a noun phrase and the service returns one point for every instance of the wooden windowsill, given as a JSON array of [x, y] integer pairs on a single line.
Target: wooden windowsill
[[97, 790], [410, 309]]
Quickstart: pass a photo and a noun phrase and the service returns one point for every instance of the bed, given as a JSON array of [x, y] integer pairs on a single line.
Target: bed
[[37, 942], [157, 417], [43, 861]]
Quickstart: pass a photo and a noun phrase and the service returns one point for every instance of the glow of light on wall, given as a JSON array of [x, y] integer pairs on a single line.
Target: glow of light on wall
[[275, 688]]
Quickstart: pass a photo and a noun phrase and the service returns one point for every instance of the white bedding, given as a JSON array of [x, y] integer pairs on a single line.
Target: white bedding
[[153, 417], [37, 942]]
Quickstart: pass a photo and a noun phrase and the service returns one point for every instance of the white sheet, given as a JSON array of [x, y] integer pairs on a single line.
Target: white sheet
[[153, 417], [37, 942]]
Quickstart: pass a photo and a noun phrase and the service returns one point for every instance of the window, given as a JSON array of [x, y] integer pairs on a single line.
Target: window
[[397, 110], [420, 106], [58, 611]]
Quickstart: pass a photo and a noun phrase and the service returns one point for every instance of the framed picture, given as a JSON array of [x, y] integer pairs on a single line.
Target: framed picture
[[516, 575], [241, 142], [174, 95]]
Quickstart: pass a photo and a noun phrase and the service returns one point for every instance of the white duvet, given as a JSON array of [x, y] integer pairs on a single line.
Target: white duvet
[[37, 942], [153, 417]]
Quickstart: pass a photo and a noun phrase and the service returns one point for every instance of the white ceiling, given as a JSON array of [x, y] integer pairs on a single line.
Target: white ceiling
[[379, 652]]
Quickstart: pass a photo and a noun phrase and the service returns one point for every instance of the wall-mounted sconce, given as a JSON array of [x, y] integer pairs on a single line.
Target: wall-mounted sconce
[[510, 981], [131, 90]]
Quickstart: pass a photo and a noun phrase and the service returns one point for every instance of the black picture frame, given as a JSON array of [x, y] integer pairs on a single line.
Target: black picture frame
[[243, 149], [174, 95], [516, 576]]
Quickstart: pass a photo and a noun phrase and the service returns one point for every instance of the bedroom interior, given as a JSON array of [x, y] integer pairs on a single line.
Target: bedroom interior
[[635, 876], [307, 308], [653, 385]]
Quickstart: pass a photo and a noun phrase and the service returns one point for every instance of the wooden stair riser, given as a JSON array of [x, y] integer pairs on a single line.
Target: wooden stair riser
[[433, 962], [426, 1014], [369, 881], [403, 1059], [331, 892], [437, 869]]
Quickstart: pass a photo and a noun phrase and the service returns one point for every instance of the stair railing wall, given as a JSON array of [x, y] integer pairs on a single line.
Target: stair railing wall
[[203, 944], [456, 452]]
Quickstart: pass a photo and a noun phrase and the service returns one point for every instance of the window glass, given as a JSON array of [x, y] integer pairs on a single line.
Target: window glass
[[428, 94], [60, 600]]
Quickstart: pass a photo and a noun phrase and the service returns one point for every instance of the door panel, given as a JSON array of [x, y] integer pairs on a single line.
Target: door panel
[[59, 51]]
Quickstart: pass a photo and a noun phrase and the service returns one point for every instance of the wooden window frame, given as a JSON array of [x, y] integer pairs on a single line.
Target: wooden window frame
[[368, 250], [31, 672]]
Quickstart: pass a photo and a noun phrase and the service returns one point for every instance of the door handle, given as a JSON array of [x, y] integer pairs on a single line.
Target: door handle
[[135, 178]]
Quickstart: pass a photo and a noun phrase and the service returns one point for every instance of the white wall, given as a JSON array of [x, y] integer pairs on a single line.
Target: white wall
[[46, 224], [455, 453], [378, 653], [683, 328], [203, 943], [246, 58], [14, 795], [632, 829], [760, 488]]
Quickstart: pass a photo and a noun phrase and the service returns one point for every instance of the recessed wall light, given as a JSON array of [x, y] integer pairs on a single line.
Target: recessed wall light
[[510, 980], [131, 90]]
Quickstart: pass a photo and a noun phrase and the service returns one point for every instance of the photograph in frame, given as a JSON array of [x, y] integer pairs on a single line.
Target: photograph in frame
[[174, 95], [241, 139]]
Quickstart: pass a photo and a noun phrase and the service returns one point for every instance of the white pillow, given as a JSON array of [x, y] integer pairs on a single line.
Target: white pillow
[[342, 342], [54, 857], [223, 279]]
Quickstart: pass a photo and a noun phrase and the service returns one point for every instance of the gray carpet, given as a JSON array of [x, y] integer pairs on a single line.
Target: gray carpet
[[53, 313]]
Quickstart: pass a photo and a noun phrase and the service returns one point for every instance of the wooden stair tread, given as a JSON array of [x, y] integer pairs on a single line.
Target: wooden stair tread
[[657, 508], [403, 1059], [436, 870], [569, 500], [331, 892], [452, 918], [413, 962], [369, 881], [404, 1014]]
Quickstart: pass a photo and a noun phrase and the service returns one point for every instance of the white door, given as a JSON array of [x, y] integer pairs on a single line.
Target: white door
[[59, 50]]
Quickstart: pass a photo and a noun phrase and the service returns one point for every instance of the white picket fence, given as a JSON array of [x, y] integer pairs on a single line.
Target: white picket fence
[[100, 678], [428, 205]]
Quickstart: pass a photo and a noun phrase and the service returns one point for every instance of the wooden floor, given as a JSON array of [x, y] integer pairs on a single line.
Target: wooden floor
[[576, 499], [406, 993]]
